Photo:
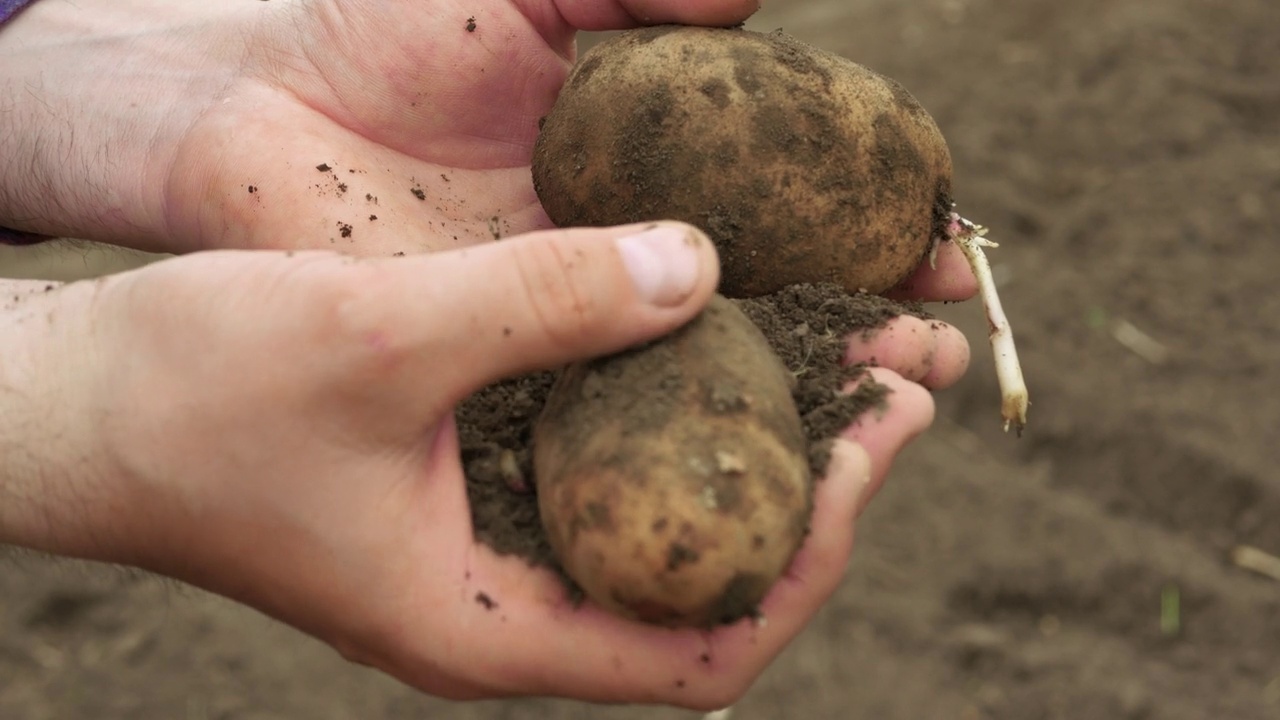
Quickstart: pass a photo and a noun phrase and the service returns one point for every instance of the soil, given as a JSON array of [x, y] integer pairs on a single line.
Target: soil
[[1125, 153]]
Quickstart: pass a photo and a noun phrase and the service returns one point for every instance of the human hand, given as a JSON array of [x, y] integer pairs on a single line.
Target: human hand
[[177, 125], [277, 428]]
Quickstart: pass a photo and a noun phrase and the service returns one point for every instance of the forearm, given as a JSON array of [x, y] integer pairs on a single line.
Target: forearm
[[94, 99], [50, 483]]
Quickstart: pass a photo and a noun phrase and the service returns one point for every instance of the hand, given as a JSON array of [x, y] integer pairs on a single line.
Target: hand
[[177, 125], [277, 428]]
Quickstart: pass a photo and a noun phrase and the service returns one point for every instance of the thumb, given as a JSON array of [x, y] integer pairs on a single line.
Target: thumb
[[541, 300]]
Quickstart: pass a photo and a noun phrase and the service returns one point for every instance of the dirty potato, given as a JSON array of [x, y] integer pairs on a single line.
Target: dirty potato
[[673, 479], [803, 166]]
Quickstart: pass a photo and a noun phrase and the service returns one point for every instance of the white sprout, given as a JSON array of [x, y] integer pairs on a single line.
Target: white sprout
[[972, 239]]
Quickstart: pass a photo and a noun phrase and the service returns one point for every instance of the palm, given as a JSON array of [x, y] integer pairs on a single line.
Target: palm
[[426, 126]]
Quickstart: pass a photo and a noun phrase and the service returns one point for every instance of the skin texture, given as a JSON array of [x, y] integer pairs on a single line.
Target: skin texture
[[277, 427]]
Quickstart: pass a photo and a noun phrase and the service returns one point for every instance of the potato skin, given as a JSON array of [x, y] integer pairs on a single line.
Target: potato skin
[[801, 165], [673, 479]]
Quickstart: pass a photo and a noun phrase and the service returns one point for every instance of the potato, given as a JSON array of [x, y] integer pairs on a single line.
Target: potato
[[673, 479], [801, 165]]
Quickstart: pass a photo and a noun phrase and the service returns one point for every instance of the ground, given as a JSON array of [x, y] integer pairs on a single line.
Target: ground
[[1127, 155]]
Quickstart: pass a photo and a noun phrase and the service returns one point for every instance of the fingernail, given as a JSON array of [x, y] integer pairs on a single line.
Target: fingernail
[[663, 262]]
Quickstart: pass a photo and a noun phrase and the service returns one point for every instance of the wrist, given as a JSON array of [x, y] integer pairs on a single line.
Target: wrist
[[56, 495], [88, 154]]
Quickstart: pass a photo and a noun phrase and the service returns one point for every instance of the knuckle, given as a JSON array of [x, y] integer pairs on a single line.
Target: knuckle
[[559, 291], [354, 323], [908, 395]]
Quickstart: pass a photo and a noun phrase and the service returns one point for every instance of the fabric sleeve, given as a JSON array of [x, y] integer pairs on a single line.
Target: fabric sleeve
[[9, 8]]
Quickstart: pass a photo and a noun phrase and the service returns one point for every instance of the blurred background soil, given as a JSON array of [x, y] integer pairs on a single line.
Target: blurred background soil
[[1127, 154]]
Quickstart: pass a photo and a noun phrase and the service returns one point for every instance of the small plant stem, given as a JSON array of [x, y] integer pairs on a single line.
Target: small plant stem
[[1013, 389]]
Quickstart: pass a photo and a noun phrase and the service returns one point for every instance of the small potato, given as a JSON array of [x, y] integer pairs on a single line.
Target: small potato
[[802, 166], [673, 479]]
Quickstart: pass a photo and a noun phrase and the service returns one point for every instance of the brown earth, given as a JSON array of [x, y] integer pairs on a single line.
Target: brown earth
[[1128, 155]]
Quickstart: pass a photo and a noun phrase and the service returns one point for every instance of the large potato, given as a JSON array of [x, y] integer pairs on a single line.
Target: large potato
[[802, 165], [673, 479]]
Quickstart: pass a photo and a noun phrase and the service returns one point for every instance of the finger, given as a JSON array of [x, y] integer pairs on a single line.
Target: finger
[[621, 14], [534, 302], [909, 412], [948, 280], [818, 566], [930, 352]]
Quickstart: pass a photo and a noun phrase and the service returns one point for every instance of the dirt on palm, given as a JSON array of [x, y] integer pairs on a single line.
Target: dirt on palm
[[1126, 155]]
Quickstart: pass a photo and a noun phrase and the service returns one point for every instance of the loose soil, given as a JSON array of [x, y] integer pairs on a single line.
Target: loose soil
[[1126, 154]]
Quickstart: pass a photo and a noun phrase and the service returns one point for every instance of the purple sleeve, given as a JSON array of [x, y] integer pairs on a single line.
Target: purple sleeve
[[9, 8]]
